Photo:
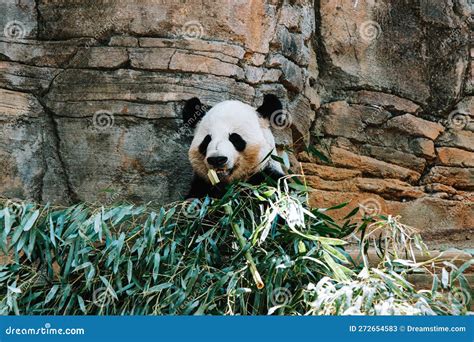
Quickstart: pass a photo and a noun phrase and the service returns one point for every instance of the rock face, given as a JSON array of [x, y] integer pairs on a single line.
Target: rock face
[[99, 88], [91, 91], [395, 80]]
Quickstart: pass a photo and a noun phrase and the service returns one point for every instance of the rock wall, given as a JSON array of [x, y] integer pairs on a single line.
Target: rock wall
[[91, 91], [395, 81]]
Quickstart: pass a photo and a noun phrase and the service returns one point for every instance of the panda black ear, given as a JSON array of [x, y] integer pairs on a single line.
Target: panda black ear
[[270, 105], [193, 111]]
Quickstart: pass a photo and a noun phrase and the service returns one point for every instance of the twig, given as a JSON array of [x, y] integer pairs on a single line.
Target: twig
[[238, 234]]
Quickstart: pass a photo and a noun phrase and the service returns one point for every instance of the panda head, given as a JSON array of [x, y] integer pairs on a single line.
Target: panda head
[[232, 138]]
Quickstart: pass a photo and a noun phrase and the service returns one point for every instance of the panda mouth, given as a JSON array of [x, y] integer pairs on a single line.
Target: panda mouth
[[223, 173]]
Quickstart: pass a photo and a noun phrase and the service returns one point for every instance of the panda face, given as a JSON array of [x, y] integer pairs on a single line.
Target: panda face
[[232, 139]]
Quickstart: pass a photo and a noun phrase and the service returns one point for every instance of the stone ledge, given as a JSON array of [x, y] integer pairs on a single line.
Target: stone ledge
[[54, 54], [457, 177], [235, 51], [151, 58], [371, 166], [455, 157], [386, 188], [145, 86], [329, 172], [457, 138], [14, 105], [388, 101], [415, 126], [26, 78]]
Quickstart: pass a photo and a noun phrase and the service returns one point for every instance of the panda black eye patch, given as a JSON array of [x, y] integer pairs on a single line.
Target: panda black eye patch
[[204, 144], [237, 141]]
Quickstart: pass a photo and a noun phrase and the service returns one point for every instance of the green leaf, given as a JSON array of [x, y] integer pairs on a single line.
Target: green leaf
[[81, 304], [158, 288], [82, 266], [51, 294], [338, 206], [278, 159], [317, 154], [18, 232], [98, 223], [335, 253], [444, 278], [338, 270], [31, 221], [156, 265], [14, 289], [330, 241], [129, 270], [460, 270], [51, 231], [8, 222], [118, 250], [298, 187], [110, 289], [434, 286], [352, 213]]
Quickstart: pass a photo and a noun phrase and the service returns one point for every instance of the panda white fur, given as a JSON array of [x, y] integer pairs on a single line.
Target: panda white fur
[[235, 140]]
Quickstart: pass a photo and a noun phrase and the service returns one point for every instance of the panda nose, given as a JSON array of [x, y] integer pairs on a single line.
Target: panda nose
[[217, 161]]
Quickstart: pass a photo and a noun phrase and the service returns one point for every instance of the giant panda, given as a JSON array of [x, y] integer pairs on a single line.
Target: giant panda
[[235, 140]]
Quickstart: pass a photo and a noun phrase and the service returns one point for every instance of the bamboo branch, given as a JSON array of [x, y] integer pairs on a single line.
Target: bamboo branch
[[238, 234]]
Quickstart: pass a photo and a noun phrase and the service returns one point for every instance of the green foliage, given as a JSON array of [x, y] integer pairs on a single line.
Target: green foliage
[[194, 257]]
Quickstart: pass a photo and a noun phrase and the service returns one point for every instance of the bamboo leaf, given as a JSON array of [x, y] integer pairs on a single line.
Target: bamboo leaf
[[14, 289], [460, 270], [129, 270], [8, 221], [51, 293], [158, 288], [51, 231], [156, 265], [31, 221], [82, 306]]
